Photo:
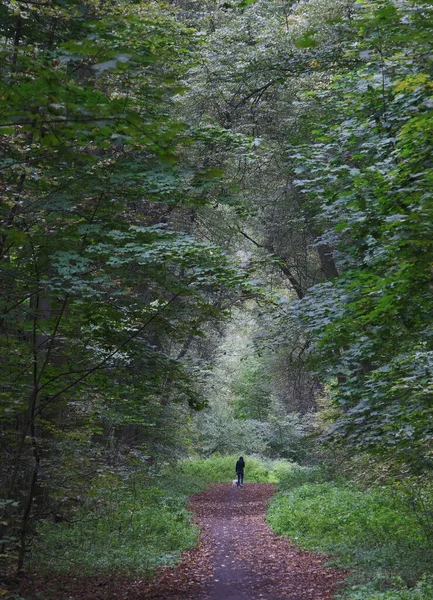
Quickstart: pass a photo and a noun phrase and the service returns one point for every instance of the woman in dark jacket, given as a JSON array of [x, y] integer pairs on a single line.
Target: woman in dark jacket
[[240, 466]]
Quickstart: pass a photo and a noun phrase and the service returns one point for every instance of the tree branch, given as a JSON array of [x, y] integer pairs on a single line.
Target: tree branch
[[111, 354], [279, 261]]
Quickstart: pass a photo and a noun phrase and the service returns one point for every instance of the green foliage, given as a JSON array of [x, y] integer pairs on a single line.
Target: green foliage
[[251, 390], [422, 591], [104, 286], [364, 172], [133, 521], [339, 97], [289, 435], [123, 527], [307, 133], [247, 411], [337, 199], [292, 475], [222, 468], [371, 532], [222, 433]]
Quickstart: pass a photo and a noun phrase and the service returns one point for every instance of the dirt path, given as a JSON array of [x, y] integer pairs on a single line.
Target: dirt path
[[238, 558]]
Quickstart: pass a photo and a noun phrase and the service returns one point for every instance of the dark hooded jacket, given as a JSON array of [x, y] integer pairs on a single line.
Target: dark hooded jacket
[[240, 465]]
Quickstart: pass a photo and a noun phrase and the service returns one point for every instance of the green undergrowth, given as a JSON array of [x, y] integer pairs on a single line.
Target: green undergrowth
[[222, 468], [422, 591], [128, 526], [371, 533], [133, 523]]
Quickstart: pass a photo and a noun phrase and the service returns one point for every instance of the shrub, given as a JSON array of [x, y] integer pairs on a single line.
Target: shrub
[[296, 475]]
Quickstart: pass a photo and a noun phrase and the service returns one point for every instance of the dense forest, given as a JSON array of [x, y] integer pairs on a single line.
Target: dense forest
[[216, 239]]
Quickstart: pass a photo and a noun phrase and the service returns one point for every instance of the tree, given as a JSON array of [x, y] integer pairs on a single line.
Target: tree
[[103, 293], [336, 197], [370, 328]]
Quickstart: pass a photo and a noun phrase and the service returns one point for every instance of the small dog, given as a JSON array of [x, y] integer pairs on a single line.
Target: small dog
[[235, 483]]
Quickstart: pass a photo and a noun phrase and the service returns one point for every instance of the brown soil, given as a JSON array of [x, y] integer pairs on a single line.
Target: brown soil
[[238, 558]]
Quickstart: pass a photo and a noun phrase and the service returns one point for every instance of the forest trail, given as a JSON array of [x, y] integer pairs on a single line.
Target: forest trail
[[240, 558]]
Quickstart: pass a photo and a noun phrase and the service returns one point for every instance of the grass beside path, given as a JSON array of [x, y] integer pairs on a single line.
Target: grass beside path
[[372, 533], [133, 525], [136, 523]]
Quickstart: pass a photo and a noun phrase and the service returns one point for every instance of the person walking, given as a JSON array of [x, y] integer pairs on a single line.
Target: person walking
[[240, 466]]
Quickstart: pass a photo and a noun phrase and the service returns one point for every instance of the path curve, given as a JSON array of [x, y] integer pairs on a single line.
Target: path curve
[[240, 558]]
